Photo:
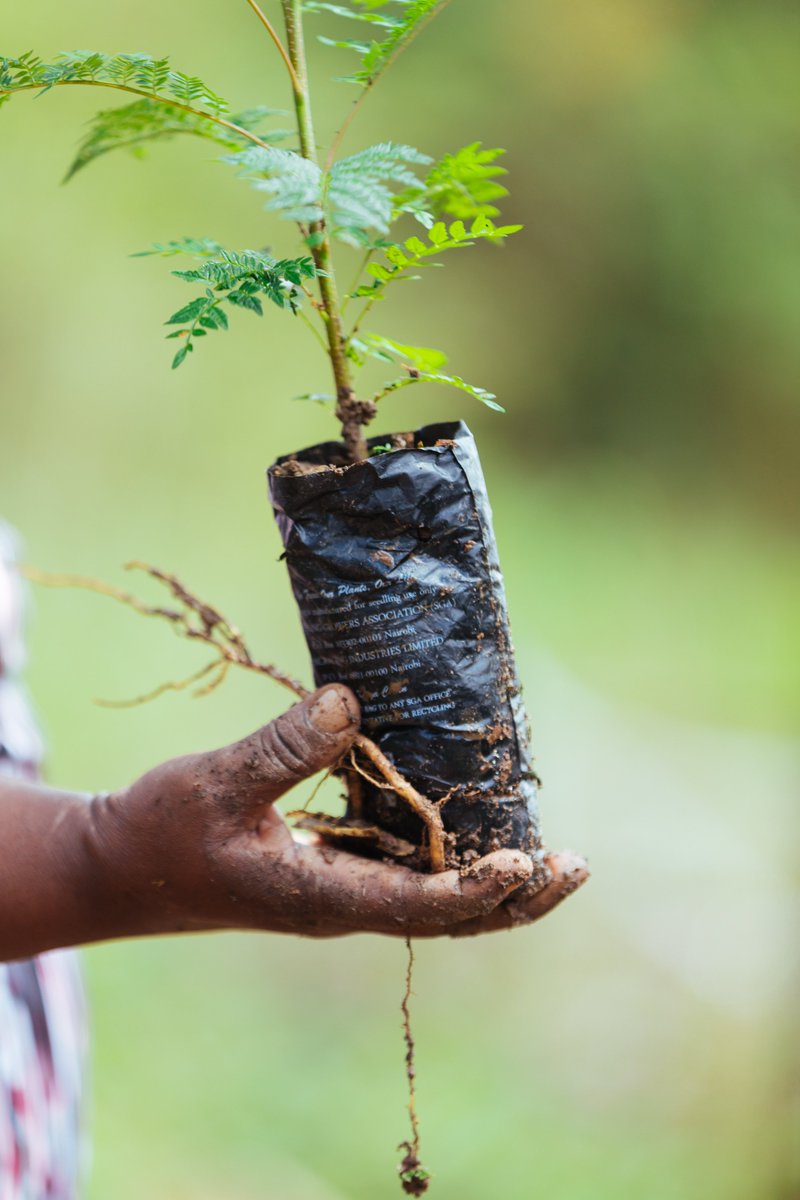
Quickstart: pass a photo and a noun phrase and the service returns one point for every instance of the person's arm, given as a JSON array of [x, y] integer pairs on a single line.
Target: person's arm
[[197, 844]]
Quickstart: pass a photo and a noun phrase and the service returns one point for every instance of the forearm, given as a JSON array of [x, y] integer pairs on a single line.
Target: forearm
[[55, 888]]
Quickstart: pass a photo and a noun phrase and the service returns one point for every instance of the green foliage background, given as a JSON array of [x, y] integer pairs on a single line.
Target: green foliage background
[[641, 333]]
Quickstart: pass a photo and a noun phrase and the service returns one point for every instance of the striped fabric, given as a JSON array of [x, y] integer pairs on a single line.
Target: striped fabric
[[42, 1014]]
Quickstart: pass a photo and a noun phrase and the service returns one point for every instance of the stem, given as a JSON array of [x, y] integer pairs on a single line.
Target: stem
[[345, 125], [270, 28], [361, 269], [351, 412], [359, 321], [313, 329], [122, 87]]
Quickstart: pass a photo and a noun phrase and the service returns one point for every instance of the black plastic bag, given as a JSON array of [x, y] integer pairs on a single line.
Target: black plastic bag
[[394, 567]]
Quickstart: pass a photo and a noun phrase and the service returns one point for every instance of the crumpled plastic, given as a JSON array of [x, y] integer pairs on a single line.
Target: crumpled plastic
[[394, 567]]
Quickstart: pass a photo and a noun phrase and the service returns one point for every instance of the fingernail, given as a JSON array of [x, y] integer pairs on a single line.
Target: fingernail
[[333, 710]]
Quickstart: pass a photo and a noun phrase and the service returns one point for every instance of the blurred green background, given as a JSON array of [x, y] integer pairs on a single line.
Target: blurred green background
[[642, 333]]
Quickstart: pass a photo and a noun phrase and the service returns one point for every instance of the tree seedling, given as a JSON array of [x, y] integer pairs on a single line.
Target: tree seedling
[[384, 214], [397, 207]]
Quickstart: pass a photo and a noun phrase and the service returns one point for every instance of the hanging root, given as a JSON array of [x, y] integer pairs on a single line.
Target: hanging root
[[198, 621], [413, 1176]]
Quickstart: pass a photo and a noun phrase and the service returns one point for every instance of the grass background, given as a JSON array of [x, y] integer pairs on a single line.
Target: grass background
[[642, 334]]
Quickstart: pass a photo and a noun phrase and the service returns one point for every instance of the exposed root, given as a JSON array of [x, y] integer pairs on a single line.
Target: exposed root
[[178, 685], [413, 1176], [344, 829], [425, 809], [315, 791], [199, 621], [355, 794]]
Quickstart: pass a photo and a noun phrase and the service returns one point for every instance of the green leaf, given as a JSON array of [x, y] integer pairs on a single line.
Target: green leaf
[[215, 318], [356, 196], [462, 185], [346, 44], [258, 272], [191, 310], [293, 184], [132, 126], [416, 246], [323, 398], [339, 10], [236, 278], [357, 193], [396, 257], [170, 102], [419, 253], [132, 72], [246, 301], [197, 247], [400, 31], [423, 358], [455, 381]]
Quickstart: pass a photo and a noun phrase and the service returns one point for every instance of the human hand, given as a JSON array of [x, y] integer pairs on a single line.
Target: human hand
[[198, 844]]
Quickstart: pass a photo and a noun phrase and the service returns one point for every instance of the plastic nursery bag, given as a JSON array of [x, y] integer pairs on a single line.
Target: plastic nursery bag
[[395, 571]]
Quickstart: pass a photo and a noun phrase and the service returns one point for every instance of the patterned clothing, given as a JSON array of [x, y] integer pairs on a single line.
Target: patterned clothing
[[42, 1014]]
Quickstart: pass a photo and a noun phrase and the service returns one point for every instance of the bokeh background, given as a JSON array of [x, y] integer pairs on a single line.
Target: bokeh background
[[642, 333]]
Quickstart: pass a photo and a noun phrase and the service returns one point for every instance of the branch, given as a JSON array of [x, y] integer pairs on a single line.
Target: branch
[[270, 28], [123, 87]]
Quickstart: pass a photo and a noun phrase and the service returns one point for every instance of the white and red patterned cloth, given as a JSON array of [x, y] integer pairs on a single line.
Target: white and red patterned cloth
[[42, 1014]]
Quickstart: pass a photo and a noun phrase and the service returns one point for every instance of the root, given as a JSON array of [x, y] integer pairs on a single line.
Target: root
[[199, 621], [170, 686], [413, 1176], [425, 809]]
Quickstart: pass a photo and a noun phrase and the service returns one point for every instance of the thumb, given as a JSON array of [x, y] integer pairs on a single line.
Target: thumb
[[313, 734]]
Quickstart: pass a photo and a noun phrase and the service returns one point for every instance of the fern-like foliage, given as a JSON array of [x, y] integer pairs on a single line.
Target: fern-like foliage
[[354, 197], [455, 381], [236, 278], [358, 195], [420, 358], [414, 252], [462, 185], [422, 364], [152, 77], [196, 247], [293, 183], [169, 103], [401, 21], [131, 126]]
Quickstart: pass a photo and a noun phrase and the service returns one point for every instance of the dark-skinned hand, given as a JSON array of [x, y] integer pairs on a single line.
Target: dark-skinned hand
[[197, 844]]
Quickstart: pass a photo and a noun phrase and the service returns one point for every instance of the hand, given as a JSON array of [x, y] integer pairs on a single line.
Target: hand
[[199, 844]]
